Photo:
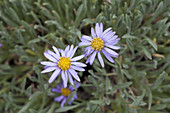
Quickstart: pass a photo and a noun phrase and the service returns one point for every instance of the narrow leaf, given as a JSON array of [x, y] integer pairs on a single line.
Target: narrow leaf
[[159, 80], [66, 108]]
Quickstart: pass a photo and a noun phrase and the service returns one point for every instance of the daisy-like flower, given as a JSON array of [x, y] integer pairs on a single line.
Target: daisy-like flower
[[63, 64], [100, 42], [65, 93]]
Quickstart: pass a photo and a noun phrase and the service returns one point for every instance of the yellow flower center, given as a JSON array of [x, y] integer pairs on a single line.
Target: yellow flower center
[[65, 91], [97, 44], [64, 63]]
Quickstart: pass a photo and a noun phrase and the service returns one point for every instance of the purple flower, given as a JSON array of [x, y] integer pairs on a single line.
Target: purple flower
[[63, 64], [100, 42], [65, 93], [0, 45]]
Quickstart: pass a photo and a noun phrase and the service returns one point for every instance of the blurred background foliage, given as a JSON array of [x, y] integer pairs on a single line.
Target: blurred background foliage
[[138, 82]]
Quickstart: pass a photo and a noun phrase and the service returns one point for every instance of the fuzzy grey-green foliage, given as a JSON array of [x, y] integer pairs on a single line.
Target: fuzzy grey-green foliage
[[138, 82]]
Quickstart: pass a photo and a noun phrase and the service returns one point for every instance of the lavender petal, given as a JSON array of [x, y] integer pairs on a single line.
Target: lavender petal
[[77, 84], [53, 54], [66, 50], [93, 33], [84, 43], [88, 51], [113, 47], [65, 80], [48, 56], [69, 103], [79, 64], [77, 68], [70, 78], [74, 74], [109, 36], [77, 58], [63, 102], [107, 30], [113, 42], [97, 28], [62, 52], [58, 99], [88, 60], [93, 57], [111, 51], [48, 63], [112, 38], [54, 75], [107, 55], [100, 59], [49, 69], [86, 38], [73, 52], [101, 27], [56, 51], [70, 51], [56, 90]]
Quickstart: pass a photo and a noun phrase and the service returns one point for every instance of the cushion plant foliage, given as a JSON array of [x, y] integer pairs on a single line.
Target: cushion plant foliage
[[133, 80]]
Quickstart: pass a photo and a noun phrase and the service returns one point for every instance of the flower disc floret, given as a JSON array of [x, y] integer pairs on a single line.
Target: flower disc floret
[[64, 63], [97, 44], [65, 91]]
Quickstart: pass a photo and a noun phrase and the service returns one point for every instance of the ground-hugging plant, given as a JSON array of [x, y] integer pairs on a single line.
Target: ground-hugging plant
[[137, 81]]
